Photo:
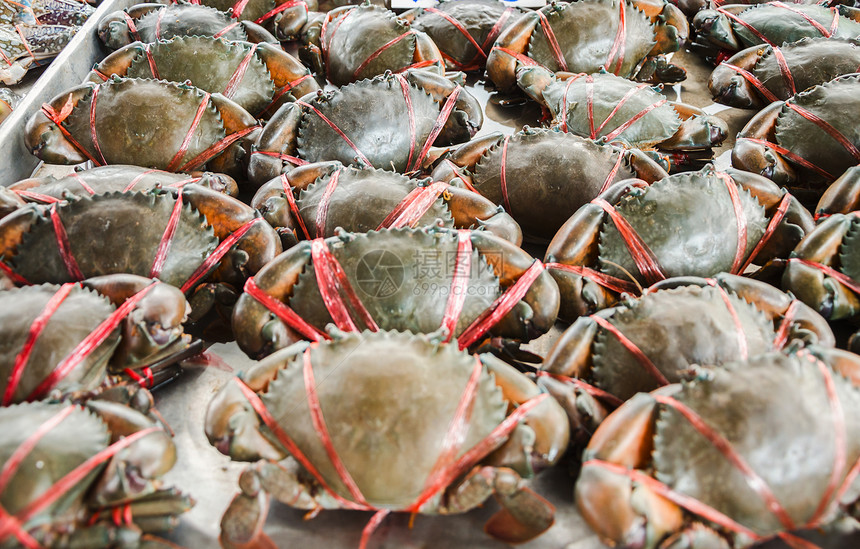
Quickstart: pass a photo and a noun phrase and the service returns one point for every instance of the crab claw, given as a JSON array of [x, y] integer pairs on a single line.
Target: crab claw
[[717, 28], [524, 514]]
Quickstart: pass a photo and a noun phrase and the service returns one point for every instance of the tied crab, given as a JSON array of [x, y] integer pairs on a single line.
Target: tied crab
[[635, 235], [645, 343], [151, 123], [388, 122], [681, 467], [627, 38], [472, 284], [23, 46], [257, 77], [605, 106], [85, 476], [311, 201], [806, 137], [481, 427], [542, 176], [464, 30]]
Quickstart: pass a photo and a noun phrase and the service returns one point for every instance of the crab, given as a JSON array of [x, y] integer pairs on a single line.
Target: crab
[[390, 454], [725, 30], [8, 101], [283, 18], [681, 467], [542, 176], [351, 43], [196, 239], [149, 22], [258, 77], [471, 283], [762, 74], [645, 343], [628, 38], [690, 224], [69, 13], [72, 337], [115, 178], [806, 137], [24, 46], [608, 107], [464, 30], [150, 123], [312, 200], [370, 123], [85, 476]]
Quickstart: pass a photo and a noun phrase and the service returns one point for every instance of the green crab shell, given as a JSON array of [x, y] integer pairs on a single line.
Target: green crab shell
[[209, 64], [74, 440], [773, 397], [688, 221], [403, 278], [78, 315], [782, 26], [351, 39], [548, 174], [388, 400], [144, 122], [187, 20], [477, 16], [374, 115], [658, 125], [812, 61], [835, 102], [116, 233], [676, 329], [585, 31], [362, 200], [252, 11]]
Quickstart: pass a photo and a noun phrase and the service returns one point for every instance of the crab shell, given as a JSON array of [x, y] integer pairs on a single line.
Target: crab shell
[[8, 101], [34, 45], [587, 36], [267, 75], [548, 174], [374, 116], [131, 477], [682, 220], [364, 199], [826, 148], [403, 277], [389, 445], [808, 62], [159, 22], [483, 21], [794, 400]]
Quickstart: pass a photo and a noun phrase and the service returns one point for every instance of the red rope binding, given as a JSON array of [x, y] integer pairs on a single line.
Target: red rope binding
[[828, 128], [333, 282], [294, 207], [739, 327], [413, 136], [279, 9], [609, 282], [842, 278], [462, 30], [59, 118], [769, 231], [226, 29], [218, 254], [645, 260], [620, 38], [613, 172], [781, 337], [380, 51], [186, 141], [322, 207], [791, 156], [746, 25], [751, 78], [166, 239], [595, 392], [214, 150], [147, 49], [15, 277], [818, 26], [337, 130], [284, 313], [280, 156], [132, 28], [444, 114], [413, 206], [784, 69], [459, 283], [83, 183], [63, 245], [39, 197], [740, 221], [553, 42], [643, 360], [239, 73]]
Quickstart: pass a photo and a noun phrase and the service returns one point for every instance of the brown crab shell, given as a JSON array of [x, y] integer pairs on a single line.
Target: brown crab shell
[[548, 175], [388, 401]]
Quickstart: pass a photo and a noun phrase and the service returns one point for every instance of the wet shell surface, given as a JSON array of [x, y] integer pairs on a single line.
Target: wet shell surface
[[187, 20]]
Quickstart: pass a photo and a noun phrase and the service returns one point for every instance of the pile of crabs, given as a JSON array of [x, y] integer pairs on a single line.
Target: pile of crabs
[[338, 215]]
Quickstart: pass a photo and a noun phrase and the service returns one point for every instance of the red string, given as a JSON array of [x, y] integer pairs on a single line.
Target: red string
[[620, 37], [147, 49], [620, 129], [132, 28], [525, 60], [444, 114], [33, 334], [93, 135], [226, 29], [459, 283], [824, 125], [413, 206], [740, 221], [617, 285], [595, 392], [16, 278], [215, 149], [239, 73], [503, 174], [739, 327], [83, 183], [501, 306], [292, 159], [166, 239], [337, 130], [746, 25], [413, 137], [553, 43], [26, 45], [634, 350], [186, 141], [237, 8], [642, 255], [36, 196], [791, 156], [147, 380], [218, 254], [751, 78], [283, 312], [843, 279], [333, 282], [279, 9], [283, 91], [769, 231], [818, 26], [783, 68], [294, 208], [781, 336], [612, 173], [63, 245], [497, 28], [462, 29], [137, 179], [58, 118], [322, 207], [380, 51]]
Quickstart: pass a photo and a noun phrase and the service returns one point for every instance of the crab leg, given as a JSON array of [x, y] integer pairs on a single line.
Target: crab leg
[[508, 52], [755, 152], [733, 83], [287, 72], [116, 63], [469, 209], [274, 152], [843, 195], [698, 130]]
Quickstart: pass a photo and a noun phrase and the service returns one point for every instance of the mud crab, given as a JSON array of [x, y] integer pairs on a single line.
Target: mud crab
[[615, 109], [464, 30], [678, 467], [150, 22], [151, 123], [690, 224], [351, 43], [258, 77], [542, 176], [626, 37], [313, 200], [455, 459], [645, 343], [731, 28], [471, 283], [281, 17], [71, 337], [760, 75], [389, 122], [806, 136], [8, 101], [85, 476], [24, 46]]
